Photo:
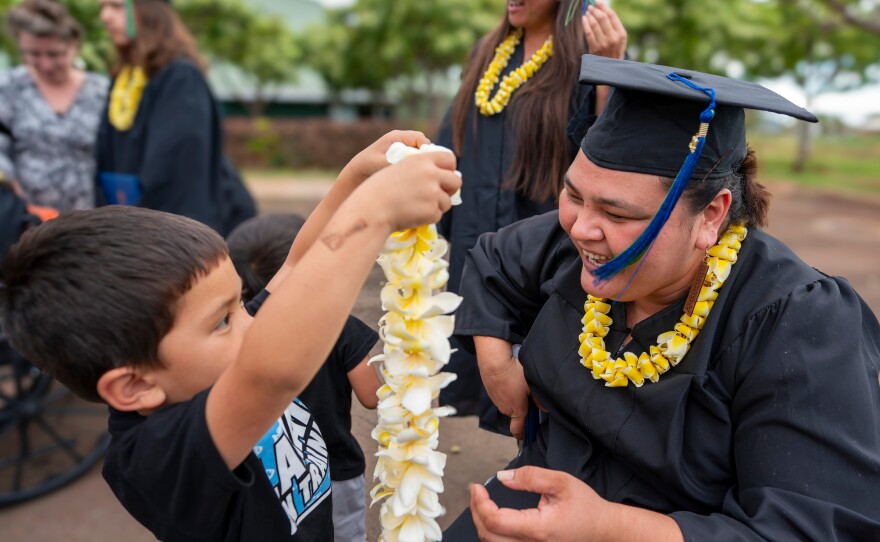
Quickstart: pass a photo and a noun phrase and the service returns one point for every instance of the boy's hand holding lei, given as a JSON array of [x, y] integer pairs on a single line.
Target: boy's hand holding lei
[[373, 158]]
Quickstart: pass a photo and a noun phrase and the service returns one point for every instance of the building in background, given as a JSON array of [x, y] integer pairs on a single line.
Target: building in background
[[308, 95]]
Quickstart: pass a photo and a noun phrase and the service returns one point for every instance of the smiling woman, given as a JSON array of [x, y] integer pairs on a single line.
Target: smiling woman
[[688, 393]]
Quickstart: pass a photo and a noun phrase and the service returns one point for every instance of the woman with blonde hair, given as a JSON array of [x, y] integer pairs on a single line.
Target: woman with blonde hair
[[49, 109], [161, 142]]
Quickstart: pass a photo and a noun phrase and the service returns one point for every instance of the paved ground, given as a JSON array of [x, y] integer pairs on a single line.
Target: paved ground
[[839, 235]]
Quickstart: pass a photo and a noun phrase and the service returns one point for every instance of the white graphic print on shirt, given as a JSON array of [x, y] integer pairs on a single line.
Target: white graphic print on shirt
[[295, 458]]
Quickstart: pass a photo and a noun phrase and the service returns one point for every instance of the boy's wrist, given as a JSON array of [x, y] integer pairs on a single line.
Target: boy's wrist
[[351, 177]]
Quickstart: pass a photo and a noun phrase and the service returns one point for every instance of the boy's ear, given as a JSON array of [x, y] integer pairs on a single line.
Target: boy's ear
[[127, 390]]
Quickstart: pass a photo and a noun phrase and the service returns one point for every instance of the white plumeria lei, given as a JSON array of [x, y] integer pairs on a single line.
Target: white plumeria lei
[[415, 330]]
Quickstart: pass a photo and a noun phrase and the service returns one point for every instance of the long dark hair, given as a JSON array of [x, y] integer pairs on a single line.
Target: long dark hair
[[542, 108], [161, 38]]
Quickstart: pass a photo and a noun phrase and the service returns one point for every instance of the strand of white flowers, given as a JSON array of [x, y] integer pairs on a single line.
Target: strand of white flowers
[[415, 331]]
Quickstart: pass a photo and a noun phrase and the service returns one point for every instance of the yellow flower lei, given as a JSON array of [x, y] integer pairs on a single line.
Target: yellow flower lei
[[511, 81], [672, 345], [126, 97]]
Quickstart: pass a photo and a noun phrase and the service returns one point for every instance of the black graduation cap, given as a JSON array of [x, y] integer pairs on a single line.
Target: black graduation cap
[[674, 123]]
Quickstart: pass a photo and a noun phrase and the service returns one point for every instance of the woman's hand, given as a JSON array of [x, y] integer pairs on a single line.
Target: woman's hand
[[569, 509], [504, 380], [605, 34], [372, 159]]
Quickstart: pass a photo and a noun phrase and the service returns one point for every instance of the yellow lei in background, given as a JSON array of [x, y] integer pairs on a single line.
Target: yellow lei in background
[[511, 81], [126, 97], [672, 345]]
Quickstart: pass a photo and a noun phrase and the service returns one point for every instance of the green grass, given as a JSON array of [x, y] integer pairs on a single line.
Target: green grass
[[849, 163]]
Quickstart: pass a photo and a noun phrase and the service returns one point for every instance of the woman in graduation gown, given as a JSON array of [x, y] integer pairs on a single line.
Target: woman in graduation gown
[[507, 177], [740, 402], [160, 144]]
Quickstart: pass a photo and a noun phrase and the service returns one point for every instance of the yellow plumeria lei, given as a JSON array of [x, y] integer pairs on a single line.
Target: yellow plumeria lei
[[511, 81], [673, 345], [415, 331], [125, 98]]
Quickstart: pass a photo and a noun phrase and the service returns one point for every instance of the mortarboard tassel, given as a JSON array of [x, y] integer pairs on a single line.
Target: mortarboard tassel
[[572, 9], [641, 245], [129, 19]]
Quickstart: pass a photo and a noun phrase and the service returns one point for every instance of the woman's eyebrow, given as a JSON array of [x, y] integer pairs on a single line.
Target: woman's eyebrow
[[608, 202]]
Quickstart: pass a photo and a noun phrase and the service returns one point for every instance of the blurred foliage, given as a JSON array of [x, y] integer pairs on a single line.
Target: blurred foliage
[[372, 42], [227, 30], [761, 38], [368, 43]]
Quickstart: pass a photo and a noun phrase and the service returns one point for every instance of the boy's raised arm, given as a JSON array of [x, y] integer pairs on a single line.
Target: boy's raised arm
[[362, 166], [295, 330]]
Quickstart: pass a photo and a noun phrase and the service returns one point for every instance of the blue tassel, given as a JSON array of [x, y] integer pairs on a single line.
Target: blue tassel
[[586, 3], [640, 247]]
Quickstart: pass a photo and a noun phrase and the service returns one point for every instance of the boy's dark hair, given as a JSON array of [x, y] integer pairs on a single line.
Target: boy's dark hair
[[258, 248], [94, 290]]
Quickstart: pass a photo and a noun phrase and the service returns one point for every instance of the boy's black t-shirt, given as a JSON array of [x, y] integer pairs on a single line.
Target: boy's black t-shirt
[[167, 472], [169, 475], [328, 396]]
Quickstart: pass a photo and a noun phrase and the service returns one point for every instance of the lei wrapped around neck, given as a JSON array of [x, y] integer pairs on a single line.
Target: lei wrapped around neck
[[125, 97], [415, 331]]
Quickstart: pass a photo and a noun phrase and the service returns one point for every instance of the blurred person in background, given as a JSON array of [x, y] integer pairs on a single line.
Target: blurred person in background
[[49, 110], [160, 143], [515, 125]]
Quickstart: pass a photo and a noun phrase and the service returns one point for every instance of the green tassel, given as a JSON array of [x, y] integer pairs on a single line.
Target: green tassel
[[129, 19]]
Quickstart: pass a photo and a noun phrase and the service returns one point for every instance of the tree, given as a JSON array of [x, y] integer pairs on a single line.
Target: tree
[[821, 52], [864, 15], [808, 40], [373, 42]]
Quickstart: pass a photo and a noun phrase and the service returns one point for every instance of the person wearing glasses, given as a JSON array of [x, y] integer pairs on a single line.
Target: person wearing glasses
[[49, 109]]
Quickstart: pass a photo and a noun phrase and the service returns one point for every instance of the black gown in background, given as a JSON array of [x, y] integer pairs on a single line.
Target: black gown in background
[[769, 428], [174, 149], [488, 149]]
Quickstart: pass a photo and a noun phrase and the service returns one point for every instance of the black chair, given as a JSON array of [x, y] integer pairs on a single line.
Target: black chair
[[48, 437]]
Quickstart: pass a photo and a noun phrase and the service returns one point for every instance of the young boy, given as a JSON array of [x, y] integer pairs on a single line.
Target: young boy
[[258, 248], [141, 310]]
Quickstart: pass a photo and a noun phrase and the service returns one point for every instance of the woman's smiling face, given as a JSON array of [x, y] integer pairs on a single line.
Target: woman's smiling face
[[604, 211]]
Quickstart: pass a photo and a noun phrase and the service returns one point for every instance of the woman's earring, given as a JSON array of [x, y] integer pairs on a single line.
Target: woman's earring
[[697, 286]]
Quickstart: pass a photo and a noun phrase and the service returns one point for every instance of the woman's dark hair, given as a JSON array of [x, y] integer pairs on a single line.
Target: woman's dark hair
[[161, 38], [44, 19], [258, 248], [750, 201], [542, 108], [94, 290]]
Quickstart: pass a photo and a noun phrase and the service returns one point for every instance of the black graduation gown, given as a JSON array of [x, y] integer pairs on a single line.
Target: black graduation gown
[[768, 429], [14, 219], [486, 156], [175, 151]]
